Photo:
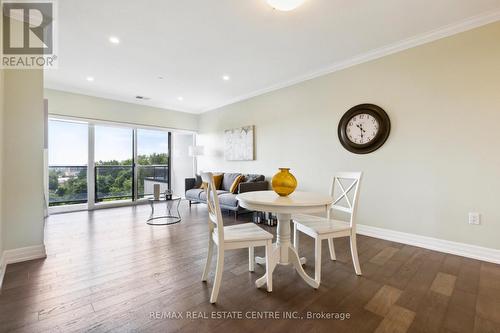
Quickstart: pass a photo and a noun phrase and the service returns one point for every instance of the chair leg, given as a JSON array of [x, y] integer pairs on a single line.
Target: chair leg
[[251, 259], [295, 237], [209, 259], [218, 274], [354, 253], [317, 261], [190, 203], [332, 249], [269, 273]]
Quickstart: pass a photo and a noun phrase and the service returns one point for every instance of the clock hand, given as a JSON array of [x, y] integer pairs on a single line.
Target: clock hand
[[360, 127]]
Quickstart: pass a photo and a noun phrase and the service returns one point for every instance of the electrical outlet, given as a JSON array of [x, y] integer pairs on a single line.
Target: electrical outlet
[[474, 218]]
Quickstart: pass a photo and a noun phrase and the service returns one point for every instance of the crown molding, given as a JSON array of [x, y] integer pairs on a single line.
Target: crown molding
[[445, 31]]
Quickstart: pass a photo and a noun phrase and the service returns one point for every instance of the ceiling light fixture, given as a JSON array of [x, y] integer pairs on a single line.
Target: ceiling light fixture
[[180, 98], [226, 77], [90, 78], [285, 5], [114, 40]]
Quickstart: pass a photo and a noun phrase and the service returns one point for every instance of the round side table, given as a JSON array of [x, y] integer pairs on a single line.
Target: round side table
[[172, 215]]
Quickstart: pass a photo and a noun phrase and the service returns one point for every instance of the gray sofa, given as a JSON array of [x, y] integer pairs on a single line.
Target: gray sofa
[[227, 199]]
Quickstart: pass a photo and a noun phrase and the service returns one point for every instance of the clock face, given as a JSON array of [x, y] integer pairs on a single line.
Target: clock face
[[362, 129]]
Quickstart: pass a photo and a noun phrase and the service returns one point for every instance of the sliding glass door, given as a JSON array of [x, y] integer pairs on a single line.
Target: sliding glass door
[[114, 163], [68, 154], [125, 162], [152, 161]]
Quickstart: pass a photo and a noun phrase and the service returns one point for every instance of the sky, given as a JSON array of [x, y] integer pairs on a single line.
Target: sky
[[68, 142]]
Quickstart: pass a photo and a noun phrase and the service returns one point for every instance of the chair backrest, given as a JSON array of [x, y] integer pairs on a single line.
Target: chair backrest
[[345, 192], [214, 213]]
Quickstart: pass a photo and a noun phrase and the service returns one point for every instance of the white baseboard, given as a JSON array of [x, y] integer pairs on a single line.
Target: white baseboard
[[3, 266], [20, 255], [24, 254], [436, 244]]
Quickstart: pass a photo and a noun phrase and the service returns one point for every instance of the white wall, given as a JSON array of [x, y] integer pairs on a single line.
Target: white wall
[[22, 208], [441, 160], [76, 105], [182, 163]]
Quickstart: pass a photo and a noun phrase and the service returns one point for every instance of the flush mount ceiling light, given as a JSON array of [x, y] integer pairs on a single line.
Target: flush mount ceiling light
[[90, 78], [180, 98], [226, 77], [114, 40], [285, 5]]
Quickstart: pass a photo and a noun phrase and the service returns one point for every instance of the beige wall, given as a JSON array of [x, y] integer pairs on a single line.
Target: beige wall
[[1, 162], [22, 175], [76, 105], [440, 162]]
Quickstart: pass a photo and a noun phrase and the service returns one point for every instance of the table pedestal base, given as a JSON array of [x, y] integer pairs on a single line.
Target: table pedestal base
[[284, 254]]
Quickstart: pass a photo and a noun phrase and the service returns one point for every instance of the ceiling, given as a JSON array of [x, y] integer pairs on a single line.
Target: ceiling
[[191, 44]]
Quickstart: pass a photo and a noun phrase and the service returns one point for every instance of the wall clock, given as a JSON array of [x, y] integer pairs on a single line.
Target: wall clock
[[364, 128]]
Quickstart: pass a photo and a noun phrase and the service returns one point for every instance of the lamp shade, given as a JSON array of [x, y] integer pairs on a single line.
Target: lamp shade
[[196, 151], [285, 5]]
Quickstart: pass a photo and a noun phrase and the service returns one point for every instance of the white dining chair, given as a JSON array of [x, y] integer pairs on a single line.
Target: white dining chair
[[240, 236], [345, 199]]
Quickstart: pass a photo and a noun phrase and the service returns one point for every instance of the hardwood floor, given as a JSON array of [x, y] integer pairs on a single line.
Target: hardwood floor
[[109, 271]]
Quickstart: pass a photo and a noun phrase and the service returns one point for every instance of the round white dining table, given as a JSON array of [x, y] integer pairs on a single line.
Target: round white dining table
[[284, 253]]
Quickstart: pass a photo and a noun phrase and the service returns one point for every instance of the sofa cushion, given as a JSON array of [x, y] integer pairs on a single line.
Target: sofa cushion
[[228, 180], [198, 182], [203, 195], [228, 199], [194, 194], [235, 184], [250, 178]]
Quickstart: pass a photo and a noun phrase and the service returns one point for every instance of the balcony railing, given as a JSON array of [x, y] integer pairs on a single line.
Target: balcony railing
[[148, 175], [113, 182], [116, 182], [67, 184]]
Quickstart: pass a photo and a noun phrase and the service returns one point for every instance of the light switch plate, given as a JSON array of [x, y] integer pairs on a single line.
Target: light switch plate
[[474, 218]]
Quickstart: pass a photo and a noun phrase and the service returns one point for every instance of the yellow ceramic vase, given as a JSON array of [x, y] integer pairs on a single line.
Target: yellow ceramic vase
[[284, 183]]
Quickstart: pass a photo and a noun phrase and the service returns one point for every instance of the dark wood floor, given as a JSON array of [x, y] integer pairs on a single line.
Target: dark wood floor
[[109, 271]]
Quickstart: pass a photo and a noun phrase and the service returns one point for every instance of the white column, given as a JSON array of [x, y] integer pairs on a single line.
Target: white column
[[91, 168]]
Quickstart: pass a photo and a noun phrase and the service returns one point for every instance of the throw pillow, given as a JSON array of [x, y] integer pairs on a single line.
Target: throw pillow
[[218, 181], [236, 182]]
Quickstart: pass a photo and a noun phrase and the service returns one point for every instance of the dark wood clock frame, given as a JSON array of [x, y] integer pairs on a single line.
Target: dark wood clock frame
[[382, 135]]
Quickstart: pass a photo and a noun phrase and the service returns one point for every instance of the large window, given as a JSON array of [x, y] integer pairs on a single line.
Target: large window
[[152, 161], [68, 156], [125, 162], [114, 161]]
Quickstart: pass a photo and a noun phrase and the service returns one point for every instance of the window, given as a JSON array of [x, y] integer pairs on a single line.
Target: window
[[152, 161], [113, 163], [126, 162], [68, 155]]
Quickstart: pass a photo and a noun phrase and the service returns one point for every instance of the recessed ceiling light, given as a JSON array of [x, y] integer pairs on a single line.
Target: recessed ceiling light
[[90, 78], [142, 98], [114, 40], [180, 98], [285, 5], [226, 77]]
